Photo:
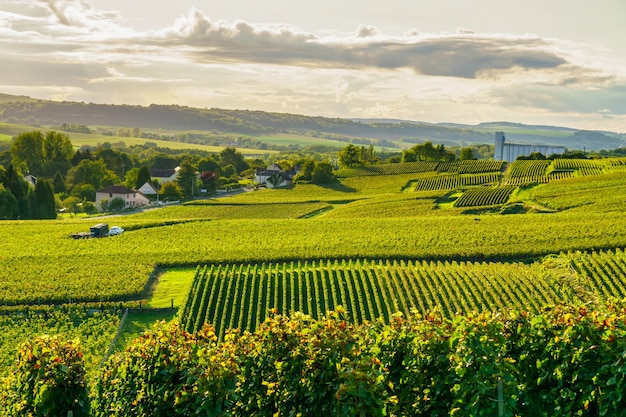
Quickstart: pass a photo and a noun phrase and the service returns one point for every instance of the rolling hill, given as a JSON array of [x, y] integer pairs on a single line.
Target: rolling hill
[[380, 132]]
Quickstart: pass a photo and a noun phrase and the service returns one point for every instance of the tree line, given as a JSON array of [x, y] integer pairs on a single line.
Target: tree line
[[42, 173]]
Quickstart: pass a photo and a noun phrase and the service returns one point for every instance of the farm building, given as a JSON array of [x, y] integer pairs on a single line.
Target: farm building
[[132, 198], [510, 151], [274, 176]]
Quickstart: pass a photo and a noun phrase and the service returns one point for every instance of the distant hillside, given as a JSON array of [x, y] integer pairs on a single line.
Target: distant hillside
[[382, 132]]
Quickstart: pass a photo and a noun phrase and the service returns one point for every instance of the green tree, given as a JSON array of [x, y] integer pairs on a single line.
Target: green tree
[[79, 156], [228, 171], [409, 155], [118, 162], [130, 180], [89, 207], [171, 191], [8, 204], [104, 204], [467, 154], [350, 156], [117, 204], [58, 183], [306, 171], [323, 173], [187, 178], [90, 172], [208, 164], [27, 152], [231, 156], [143, 176], [14, 182], [84, 192], [57, 153], [42, 201]]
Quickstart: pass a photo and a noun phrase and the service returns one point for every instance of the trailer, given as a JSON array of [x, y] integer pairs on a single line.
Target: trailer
[[99, 230]]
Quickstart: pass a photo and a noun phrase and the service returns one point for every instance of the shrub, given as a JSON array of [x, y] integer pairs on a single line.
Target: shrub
[[48, 379]]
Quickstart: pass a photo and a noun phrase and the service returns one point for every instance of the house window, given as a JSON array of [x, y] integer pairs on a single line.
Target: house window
[[110, 195]]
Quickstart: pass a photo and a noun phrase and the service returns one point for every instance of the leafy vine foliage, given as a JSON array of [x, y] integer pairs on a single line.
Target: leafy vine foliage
[[48, 379], [565, 360]]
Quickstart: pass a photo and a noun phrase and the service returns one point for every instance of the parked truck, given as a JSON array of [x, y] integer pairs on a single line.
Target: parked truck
[[99, 230]]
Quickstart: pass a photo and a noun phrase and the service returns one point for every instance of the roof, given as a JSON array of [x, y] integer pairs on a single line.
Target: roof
[[162, 173], [149, 184], [116, 189]]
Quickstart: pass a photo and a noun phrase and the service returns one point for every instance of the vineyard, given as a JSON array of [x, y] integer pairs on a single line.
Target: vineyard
[[94, 329], [240, 295], [371, 245], [475, 197]]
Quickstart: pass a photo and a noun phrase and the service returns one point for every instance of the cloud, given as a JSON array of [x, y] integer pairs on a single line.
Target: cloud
[[77, 13], [464, 55], [83, 53]]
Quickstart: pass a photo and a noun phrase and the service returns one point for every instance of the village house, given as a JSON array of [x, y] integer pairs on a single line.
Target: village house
[[164, 175], [274, 176], [148, 189], [132, 198]]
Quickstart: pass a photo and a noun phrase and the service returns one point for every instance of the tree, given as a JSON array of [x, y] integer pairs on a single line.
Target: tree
[[42, 201], [142, 177], [228, 171], [90, 172], [323, 173], [467, 154], [89, 207], [104, 204], [27, 152], [118, 162], [58, 183], [8, 204], [14, 182], [84, 192], [187, 178], [57, 152], [117, 204], [79, 156], [130, 180], [350, 156], [208, 164], [306, 171], [171, 191], [231, 156]]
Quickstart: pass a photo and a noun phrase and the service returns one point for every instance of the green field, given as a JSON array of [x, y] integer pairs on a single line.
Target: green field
[[7, 131], [389, 247]]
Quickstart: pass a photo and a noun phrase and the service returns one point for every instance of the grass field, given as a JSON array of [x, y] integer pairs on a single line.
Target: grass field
[[79, 139]]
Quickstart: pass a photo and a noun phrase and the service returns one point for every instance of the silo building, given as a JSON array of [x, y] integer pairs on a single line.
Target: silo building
[[509, 152]]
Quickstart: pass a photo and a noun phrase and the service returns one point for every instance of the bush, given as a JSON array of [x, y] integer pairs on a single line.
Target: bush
[[48, 379], [117, 204], [167, 372]]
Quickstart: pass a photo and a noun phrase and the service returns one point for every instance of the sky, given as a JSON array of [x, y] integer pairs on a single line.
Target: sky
[[556, 62]]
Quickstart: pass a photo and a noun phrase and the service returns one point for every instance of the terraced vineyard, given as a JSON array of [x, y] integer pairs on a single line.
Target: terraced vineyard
[[240, 295], [453, 181], [475, 197], [471, 167], [389, 169]]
